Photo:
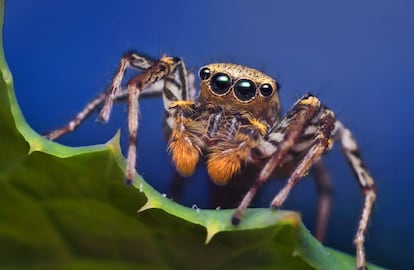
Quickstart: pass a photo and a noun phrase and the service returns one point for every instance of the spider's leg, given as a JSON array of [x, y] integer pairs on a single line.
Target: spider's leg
[[78, 119], [91, 107], [176, 89], [130, 59], [366, 182], [277, 142], [321, 143], [158, 71], [324, 189]]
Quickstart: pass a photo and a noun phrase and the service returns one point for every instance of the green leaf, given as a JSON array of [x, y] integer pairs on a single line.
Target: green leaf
[[68, 208]]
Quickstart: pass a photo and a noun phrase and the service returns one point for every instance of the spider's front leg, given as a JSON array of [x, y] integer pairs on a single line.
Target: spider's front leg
[[114, 92], [177, 86], [309, 116], [321, 142], [282, 138], [165, 68]]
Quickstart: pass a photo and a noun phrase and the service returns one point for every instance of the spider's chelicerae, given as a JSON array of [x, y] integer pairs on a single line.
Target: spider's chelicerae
[[234, 122]]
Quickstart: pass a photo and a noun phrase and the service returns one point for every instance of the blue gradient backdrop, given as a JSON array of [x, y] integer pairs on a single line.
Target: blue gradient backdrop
[[357, 56]]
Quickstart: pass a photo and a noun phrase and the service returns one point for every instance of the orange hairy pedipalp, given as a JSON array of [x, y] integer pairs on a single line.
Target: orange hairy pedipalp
[[184, 154], [226, 159], [221, 168], [185, 145]]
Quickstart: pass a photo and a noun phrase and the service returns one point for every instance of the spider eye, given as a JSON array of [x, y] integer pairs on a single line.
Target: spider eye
[[220, 83], [245, 89], [266, 89], [204, 73]]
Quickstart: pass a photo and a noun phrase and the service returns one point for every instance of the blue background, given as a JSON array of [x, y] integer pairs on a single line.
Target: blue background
[[357, 56]]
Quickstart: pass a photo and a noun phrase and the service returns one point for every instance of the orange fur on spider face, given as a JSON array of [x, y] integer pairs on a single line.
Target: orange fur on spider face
[[259, 125], [184, 154]]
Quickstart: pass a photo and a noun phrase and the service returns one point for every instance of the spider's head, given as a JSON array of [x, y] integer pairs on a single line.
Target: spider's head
[[238, 87]]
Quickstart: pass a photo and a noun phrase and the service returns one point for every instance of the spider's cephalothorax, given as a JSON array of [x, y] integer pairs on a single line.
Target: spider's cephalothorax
[[239, 88], [233, 122], [236, 107]]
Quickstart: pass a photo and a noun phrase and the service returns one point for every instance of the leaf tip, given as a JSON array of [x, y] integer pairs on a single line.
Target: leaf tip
[[35, 146], [148, 205], [212, 229], [113, 144]]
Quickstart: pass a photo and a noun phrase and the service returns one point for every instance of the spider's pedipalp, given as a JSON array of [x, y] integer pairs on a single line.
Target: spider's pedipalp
[[185, 143], [226, 159]]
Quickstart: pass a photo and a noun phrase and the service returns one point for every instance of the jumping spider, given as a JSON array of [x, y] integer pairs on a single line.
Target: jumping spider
[[234, 121]]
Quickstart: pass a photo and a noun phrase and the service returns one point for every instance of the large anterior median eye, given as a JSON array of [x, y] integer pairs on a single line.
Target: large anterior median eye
[[220, 83], [245, 89]]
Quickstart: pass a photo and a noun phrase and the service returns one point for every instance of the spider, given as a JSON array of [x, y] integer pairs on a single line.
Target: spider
[[235, 121]]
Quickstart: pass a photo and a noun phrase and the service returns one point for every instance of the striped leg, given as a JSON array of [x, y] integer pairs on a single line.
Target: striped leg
[[351, 152], [277, 143], [130, 59], [79, 117], [176, 86], [160, 70], [319, 147]]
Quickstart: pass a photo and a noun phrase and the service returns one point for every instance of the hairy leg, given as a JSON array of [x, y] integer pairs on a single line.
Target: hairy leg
[[366, 182], [115, 93], [324, 189], [277, 143]]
